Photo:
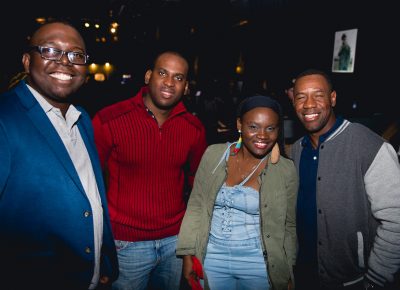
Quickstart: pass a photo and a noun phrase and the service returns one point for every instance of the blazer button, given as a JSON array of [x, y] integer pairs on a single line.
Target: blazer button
[[88, 250], [86, 213]]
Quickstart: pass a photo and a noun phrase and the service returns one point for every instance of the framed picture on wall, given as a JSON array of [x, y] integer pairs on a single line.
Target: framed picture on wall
[[344, 51]]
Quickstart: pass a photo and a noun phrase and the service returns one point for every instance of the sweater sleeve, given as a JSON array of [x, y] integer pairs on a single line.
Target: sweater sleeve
[[382, 183], [103, 140], [195, 154]]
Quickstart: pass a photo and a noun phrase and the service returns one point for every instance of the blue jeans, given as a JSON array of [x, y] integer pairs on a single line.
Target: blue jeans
[[239, 265], [148, 263]]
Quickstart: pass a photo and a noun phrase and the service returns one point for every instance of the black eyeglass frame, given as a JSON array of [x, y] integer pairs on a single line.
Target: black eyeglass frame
[[69, 54]]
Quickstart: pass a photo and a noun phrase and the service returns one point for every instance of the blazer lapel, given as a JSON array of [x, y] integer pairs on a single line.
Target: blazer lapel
[[47, 131]]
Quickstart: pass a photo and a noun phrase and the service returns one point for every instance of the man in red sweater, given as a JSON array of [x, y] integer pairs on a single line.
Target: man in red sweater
[[146, 145]]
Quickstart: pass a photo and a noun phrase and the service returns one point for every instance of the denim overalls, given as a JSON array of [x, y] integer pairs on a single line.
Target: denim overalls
[[234, 258]]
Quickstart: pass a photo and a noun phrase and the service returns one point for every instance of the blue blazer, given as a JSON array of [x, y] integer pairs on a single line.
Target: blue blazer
[[46, 226]]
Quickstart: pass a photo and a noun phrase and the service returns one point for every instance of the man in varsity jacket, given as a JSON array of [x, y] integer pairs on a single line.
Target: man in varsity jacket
[[348, 207], [146, 144]]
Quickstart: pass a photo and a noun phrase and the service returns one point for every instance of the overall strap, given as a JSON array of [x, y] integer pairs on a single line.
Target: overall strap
[[225, 156], [254, 170]]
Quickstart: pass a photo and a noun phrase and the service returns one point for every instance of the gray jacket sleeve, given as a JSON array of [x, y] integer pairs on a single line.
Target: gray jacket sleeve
[[382, 184]]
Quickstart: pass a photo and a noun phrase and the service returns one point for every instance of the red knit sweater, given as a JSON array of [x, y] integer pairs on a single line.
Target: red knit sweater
[[146, 164]]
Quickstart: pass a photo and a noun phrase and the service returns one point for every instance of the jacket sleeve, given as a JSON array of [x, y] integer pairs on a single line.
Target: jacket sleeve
[[5, 159], [290, 242], [192, 220], [109, 262], [382, 184]]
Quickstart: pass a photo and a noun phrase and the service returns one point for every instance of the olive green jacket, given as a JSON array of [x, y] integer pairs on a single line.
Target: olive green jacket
[[278, 196]]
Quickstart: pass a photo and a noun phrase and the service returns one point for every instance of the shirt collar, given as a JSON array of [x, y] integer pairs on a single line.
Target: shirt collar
[[307, 141], [71, 116]]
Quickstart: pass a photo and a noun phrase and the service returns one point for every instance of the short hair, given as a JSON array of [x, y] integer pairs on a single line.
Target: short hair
[[173, 52], [313, 71], [157, 55]]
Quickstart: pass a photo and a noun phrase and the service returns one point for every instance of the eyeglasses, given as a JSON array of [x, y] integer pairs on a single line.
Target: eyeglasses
[[55, 54]]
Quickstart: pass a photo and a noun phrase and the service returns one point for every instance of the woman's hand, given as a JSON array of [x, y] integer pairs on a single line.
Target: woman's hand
[[188, 272], [290, 285], [104, 283]]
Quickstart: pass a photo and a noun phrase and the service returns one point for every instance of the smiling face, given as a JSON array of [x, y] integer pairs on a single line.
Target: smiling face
[[167, 82], [314, 101], [55, 80], [260, 129]]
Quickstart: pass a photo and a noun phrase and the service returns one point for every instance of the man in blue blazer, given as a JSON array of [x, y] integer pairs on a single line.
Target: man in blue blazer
[[55, 231]]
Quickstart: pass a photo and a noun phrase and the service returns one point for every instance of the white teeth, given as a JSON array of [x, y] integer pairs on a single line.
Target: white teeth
[[167, 94], [310, 116], [260, 145], [61, 76]]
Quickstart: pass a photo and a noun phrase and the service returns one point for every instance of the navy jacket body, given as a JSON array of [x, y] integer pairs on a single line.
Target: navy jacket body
[[46, 225]]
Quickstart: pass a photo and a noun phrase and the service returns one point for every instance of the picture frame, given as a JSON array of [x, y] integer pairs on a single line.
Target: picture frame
[[344, 51]]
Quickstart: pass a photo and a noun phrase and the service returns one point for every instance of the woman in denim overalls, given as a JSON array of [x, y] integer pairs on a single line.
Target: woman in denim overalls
[[241, 249]]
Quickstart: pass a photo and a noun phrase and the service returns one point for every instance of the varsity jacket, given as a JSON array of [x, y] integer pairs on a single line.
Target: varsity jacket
[[358, 206], [278, 194]]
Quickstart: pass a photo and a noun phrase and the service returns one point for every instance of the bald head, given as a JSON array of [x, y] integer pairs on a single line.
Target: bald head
[[65, 28], [56, 79]]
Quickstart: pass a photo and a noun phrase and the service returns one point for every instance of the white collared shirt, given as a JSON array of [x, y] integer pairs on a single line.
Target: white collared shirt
[[69, 133]]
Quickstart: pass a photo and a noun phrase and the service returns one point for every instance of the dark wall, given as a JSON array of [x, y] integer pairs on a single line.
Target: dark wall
[[285, 42], [279, 43], [281, 39]]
